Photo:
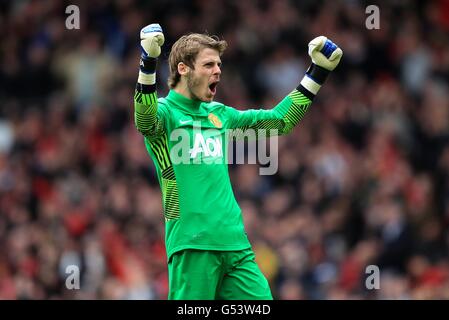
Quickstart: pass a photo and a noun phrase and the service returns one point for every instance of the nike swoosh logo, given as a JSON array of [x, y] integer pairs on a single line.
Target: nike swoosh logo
[[184, 121]]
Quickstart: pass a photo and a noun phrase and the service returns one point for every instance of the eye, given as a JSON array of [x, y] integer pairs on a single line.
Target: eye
[[212, 64]]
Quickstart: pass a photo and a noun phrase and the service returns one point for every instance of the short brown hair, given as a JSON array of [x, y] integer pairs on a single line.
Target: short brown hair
[[186, 50]]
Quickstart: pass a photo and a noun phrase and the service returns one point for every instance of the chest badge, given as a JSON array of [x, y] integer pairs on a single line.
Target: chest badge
[[215, 120]]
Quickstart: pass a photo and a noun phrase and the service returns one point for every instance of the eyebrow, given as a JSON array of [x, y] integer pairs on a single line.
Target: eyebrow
[[210, 61]]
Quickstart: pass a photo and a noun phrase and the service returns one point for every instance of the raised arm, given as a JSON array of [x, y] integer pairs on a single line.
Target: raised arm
[[148, 119], [289, 112]]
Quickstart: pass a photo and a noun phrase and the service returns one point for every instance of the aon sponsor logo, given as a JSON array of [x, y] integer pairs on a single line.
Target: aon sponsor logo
[[210, 147]]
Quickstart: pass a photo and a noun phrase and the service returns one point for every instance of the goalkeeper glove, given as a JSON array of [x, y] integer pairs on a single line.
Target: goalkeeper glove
[[325, 56], [324, 53], [151, 41]]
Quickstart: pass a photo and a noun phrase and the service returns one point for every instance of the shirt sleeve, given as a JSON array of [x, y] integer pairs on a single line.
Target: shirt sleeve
[[149, 115], [279, 120]]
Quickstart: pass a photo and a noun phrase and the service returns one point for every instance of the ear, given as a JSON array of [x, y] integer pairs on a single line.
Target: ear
[[183, 69]]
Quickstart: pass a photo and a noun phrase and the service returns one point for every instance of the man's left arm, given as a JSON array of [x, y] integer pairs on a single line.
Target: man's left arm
[[290, 111]]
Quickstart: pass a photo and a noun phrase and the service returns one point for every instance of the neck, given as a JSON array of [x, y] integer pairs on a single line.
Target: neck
[[183, 90]]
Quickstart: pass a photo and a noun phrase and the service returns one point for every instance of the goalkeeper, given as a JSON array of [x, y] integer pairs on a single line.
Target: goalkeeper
[[209, 255]]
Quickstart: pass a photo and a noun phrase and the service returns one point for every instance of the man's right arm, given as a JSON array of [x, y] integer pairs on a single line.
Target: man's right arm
[[147, 119]]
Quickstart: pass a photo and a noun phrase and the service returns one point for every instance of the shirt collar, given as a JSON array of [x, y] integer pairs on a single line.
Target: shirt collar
[[183, 102]]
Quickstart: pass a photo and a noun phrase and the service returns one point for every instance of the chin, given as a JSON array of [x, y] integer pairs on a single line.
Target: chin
[[207, 98]]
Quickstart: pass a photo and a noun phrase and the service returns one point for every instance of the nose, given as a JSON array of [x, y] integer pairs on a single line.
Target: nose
[[217, 70]]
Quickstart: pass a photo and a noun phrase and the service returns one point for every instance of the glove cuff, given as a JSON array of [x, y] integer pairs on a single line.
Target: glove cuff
[[317, 73], [312, 81], [147, 64], [145, 88], [147, 78], [308, 87]]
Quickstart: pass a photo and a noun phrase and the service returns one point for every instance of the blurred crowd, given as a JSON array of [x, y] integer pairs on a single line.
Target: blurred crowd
[[363, 180]]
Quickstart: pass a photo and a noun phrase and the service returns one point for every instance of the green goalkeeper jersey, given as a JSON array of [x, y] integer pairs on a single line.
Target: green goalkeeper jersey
[[187, 141]]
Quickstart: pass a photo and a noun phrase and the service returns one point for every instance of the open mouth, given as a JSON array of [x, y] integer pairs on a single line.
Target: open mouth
[[213, 87]]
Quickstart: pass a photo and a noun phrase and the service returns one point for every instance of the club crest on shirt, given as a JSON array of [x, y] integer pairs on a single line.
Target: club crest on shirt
[[215, 120]]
